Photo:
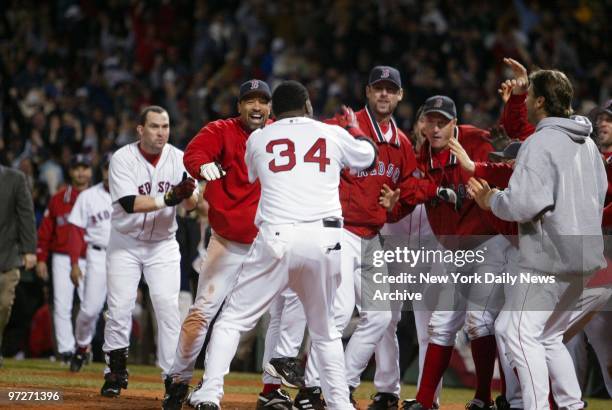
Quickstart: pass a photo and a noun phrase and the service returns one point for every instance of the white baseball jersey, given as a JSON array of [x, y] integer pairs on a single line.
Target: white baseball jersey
[[293, 158], [92, 212], [131, 174]]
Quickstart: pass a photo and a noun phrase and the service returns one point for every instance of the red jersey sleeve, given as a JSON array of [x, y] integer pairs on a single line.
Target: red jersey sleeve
[[205, 147], [479, 152], [607, 216], [76, 243], [403, 208], [514, 118], [45, 232], [497, 174], [416, 191]]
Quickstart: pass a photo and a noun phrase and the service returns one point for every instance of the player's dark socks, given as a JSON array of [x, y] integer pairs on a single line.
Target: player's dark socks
[[484, 351], [269, 388], [502, 377], [437, 360]]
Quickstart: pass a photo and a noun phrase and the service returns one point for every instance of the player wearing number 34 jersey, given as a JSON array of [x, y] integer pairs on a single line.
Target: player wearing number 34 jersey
[[297, 161]]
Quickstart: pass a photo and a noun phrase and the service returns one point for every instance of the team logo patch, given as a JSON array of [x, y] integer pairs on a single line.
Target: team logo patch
[[385, 73], [254, 84], [438, 103]]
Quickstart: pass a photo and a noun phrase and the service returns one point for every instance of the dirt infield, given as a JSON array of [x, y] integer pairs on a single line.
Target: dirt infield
[[82, 390], [140, 399]]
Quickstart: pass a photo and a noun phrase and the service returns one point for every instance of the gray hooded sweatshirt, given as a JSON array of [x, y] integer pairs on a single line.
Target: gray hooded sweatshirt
[[556, 194]]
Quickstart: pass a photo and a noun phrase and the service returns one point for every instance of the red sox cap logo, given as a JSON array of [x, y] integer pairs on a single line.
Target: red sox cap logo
[[254, 84], [384, 73], [438, 103]]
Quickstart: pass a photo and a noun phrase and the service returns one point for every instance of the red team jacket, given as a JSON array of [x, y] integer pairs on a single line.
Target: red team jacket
[[53, 233], [359, 193], [233, 200], [442, 170]]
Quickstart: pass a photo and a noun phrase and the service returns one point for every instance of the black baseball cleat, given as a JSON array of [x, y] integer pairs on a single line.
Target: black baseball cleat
[[309, 398], [65, 358], [476, 404], [113, 383], [412, 404], [207, 405], [384, 401], [288, 369], [502, 403], [80, 357], [276, 399], [117, 378], [175, 396]]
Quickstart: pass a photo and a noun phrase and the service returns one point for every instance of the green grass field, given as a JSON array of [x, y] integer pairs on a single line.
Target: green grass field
[[52, 375]]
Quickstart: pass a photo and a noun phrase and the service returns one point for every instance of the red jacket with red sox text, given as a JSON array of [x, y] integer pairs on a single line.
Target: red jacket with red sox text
[[53, 233], [359, 193], [443, 170], [233, 200]]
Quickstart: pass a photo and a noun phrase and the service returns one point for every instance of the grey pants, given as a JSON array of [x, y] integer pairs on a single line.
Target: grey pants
[[8, 283]]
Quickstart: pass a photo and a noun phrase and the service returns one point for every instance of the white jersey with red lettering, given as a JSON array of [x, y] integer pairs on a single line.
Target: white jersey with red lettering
[[92, 212], [143, 243], [131, 174], [304, 158]]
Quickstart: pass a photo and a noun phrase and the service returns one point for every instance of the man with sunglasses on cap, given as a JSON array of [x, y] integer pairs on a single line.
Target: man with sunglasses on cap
[[53, 240], [216, 155], [90, 219]]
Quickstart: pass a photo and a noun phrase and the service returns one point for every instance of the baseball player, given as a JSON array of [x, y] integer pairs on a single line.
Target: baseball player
[[561, 154], [363, 218], [91, 213], [451, 212], [53, 238], [416, 229], [597, 290], [298, 162], [216, 155], [147, 180]]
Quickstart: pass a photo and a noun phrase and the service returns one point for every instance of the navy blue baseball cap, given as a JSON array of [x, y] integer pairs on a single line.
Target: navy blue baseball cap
[[255, 86], [441, 104], [385, 73], [80, 160], [510, 152]]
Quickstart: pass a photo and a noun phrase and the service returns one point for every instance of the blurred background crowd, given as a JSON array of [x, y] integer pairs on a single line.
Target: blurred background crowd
[[74, 74]]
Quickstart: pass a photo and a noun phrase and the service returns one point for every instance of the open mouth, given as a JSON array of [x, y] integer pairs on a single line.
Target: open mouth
[[256, 117]]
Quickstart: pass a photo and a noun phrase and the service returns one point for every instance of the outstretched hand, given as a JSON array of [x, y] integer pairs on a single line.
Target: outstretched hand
[[346, 117], [462, 156], [181, 191], [480, 190], [388, 197], [520, 82]]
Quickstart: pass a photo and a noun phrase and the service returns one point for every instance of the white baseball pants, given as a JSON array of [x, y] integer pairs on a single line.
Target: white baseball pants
[[94, 296], [285, 330], [372, 323], [63, 297], [303, 257], [534, 342], [565, 387], [127, 259], [217, 278], [482, 306]]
